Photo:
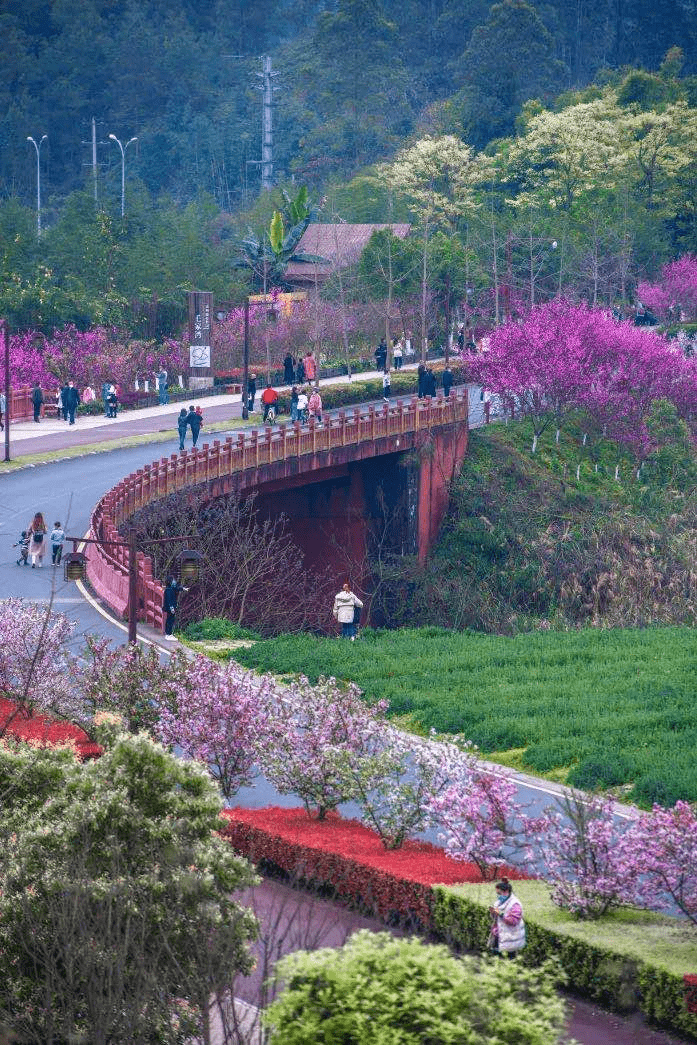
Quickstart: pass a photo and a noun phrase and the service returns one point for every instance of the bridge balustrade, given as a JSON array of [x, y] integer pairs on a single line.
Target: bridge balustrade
[[108, 563]]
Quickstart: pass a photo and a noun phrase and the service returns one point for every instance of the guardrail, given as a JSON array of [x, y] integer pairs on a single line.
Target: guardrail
[[108, 565]]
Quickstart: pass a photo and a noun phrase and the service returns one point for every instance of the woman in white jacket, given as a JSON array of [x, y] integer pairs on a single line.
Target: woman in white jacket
[[345, 603], [508, 926]]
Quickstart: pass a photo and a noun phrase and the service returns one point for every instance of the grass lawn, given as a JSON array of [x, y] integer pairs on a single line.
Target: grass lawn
[[597, 708]]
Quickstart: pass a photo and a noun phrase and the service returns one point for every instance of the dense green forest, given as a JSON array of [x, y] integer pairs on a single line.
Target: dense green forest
[[354, 79], [536, 149]]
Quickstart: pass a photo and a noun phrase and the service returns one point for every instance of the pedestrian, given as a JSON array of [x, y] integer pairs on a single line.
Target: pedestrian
[[310, 366], [461, 339], [199, 411], [269, 398], [71, 401], [251, 392], [23, 545], [447, 381], [302, 406], [112, 402], [37, 401], [162, 390], [430, 383], [294, 403], [88, 395], [193, 420], [169, 605], [314, 405], [300, 373], [381, 354], [37, 540], [63, 397], [106, 387], [386, 386], [507, 935], [288, 369], [421, 380], [182, 425], [397, 354], [345, 606], [57, 542]]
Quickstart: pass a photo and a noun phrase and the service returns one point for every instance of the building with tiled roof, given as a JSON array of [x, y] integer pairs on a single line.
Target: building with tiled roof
[[340, 245]]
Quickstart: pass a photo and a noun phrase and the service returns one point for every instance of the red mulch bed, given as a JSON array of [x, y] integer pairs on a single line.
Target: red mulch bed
[[40, 728], [418, 862]]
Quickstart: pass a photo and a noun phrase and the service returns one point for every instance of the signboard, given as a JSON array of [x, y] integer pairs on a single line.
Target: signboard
[[200, 315]]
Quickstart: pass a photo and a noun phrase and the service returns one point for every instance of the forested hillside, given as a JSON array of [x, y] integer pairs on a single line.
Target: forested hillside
[[355, 78]]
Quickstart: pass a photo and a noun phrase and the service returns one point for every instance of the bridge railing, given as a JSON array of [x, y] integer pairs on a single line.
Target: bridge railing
[[108, 564]]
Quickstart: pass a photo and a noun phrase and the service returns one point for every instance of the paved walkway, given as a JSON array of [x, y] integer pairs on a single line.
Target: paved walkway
[[50, 434]]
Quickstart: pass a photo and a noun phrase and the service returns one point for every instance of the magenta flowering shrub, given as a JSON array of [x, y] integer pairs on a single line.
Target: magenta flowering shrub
[[565, 357], [90, 357], [674, 297]]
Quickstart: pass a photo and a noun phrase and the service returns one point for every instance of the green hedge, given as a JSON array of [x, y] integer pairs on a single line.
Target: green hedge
[[627, 961]]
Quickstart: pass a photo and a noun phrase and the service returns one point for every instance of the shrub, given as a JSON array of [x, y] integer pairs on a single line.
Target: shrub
[[377, 989], [213, 629]]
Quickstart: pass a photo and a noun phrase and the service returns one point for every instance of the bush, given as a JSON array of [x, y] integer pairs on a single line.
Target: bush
[[212, 629], [377, 989]]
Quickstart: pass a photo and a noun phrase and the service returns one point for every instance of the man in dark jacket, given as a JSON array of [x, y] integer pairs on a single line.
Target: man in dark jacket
[[194, 422], [37, 400], [169, 604], [447, 381], [430, 384], [70, 399]]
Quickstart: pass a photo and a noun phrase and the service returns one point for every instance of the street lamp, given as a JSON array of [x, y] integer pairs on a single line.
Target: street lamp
[[38, 181], [123, 167]]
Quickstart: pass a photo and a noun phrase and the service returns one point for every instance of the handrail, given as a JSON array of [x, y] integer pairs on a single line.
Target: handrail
[[108, 564]]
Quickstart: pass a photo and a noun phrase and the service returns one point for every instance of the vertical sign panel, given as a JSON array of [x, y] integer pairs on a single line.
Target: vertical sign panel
[[200, 313]]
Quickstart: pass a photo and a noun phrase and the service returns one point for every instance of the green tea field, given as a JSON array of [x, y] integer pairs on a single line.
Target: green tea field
[[612, 708]]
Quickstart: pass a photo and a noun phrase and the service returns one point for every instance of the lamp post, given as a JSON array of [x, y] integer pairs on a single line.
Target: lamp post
[[123, 167], [8, 407], [245, 361], [75, 568], [38, 181]]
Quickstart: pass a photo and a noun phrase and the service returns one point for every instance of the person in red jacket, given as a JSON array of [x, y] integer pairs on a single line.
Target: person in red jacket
[[269, 398]]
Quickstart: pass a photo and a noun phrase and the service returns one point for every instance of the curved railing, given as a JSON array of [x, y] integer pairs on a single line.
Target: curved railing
[[108, 564]]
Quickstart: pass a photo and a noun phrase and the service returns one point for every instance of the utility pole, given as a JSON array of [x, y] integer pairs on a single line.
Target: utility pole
[[267, 89]]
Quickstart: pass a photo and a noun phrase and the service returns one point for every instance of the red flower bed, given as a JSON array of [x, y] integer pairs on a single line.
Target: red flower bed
[[349, 857], [39, 728]]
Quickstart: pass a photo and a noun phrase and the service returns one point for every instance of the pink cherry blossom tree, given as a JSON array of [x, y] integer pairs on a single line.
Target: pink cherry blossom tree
[[216, 716], [664, 845], [674, 296]]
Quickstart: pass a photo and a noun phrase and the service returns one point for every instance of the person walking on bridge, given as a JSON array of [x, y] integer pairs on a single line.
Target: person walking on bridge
[[193, 420]]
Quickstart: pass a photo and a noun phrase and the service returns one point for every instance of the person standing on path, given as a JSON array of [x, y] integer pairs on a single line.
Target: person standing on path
[[193, 420], [37, 540], [421, 380], [345, 604], [508, 928], [162, 391], [447, 381], [386, 386], [106, 386], [300, 373], [169, 604], [288, 369], [37, 401], [397, 354], [251, 392], [112, 402], [314, 405], [294, 403], [430, 384], [310, 366], [57, 542], [182, 425], [71, 401], [63, 400]]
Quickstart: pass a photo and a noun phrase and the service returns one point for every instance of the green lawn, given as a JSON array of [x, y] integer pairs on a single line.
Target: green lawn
[[613, 707]]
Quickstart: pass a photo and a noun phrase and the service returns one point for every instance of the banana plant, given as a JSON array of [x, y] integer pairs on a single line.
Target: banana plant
[[269, 254]]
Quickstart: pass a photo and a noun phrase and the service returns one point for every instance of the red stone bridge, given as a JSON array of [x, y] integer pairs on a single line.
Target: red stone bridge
[[324, 478]]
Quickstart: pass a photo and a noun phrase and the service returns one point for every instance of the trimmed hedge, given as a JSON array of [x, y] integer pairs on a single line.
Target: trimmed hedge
[[623, 971]]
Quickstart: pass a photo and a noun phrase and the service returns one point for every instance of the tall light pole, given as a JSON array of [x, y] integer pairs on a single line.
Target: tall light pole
[[123, 167], [38, 181]]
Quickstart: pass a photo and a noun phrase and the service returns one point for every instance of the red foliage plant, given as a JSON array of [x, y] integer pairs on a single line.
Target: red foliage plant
[[39, 729], [350, 858]]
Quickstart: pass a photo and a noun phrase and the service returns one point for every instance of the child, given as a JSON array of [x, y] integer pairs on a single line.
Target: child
[[23, 545], [386, 386], [57, 541]]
